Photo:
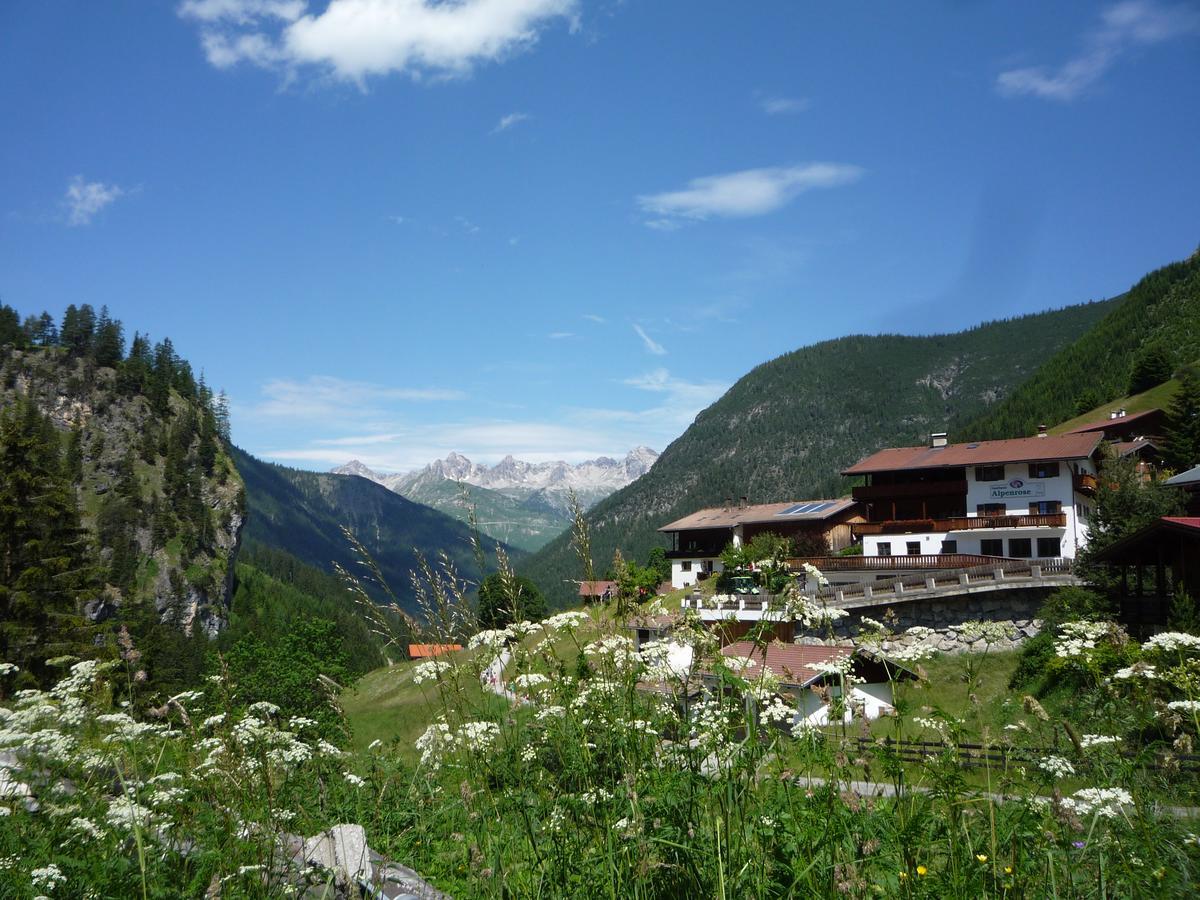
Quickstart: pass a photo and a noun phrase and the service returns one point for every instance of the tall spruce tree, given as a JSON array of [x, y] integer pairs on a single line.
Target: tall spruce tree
[[45, 569], [1181, 445]]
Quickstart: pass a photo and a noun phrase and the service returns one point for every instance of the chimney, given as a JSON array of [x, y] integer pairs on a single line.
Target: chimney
[[1113, 414], [939, 439], [742, 504], [729, 503], [1041, 431], [1121, 413]]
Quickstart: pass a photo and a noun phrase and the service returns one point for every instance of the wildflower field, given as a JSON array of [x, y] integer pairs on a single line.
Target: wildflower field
[[604, 771]]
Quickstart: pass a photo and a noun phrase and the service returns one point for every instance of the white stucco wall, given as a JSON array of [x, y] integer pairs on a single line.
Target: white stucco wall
[[873, 699], [1017, 490], [680, 578]]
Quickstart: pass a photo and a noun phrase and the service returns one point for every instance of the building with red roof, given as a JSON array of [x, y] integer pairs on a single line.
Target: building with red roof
[[1020, 498]]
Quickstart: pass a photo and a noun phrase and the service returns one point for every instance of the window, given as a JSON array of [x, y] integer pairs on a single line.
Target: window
[[949, 546], [991, 547], [884, 548], [913, 548], [1049, 547], [1083, 511], [1043, 470], [1045, 508], [1021, 548], [991, 509], [989, 473], [686, 565]]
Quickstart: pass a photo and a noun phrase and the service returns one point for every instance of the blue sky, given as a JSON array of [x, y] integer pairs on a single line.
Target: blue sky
[[559, 228]]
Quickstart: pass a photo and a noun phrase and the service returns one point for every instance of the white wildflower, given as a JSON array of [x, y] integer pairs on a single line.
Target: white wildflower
[[1097, 740], [48, 877], [430, 671], [7, 668], [1184, 705], [1172, 640], [1104, 802], [529, 682], [1137, 670], [354, 780], [566, 621], [1077, 638], [1058, 766]]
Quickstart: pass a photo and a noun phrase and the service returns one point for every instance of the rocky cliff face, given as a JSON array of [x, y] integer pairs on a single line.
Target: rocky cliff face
[[158, 495]]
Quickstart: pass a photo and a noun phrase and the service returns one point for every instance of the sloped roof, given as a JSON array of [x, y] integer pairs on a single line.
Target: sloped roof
[[1148, 542], [732, 516], [980, 453], [423, 651], [1191, 476], [790, 663], [1124, 448], [596, 588], [1118, 422]]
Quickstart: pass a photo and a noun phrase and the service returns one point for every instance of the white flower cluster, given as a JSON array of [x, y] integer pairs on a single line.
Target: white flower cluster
[[431, 670], [1184, 705], [1058, 766], [1172, 640], [7, 668], [1097, 740], [911, 653], [739, 665], [777, 712], [1137, 670], [439, 740], [617, 650], [835, 665], [1104, 802], [530, 682], [1077, 638], [566, 621], [47, 878], [354, 780]]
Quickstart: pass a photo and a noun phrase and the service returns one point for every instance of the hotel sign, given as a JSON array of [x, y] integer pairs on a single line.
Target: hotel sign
[[1017, 489]]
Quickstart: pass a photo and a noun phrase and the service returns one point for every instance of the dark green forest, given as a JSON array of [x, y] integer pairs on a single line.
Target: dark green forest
[[1152, 331]]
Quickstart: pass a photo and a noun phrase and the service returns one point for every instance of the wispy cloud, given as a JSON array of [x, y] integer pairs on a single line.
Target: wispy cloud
[[592, 317], [84, 199], [1123, 27], [355, 39], [322, 398], [560, 335], [652, 345], [783, 106], [751, 192], [507, 122]]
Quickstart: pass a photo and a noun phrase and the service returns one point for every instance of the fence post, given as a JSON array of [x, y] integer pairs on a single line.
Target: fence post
[[897, 586], [930, 583], [868, 592], [1035, 571], [998, 573], [964, 578]]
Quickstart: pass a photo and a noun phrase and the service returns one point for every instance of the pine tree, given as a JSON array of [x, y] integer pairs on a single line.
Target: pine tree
[[10, 327], [1181, 445], [110, 340], [45, 566]]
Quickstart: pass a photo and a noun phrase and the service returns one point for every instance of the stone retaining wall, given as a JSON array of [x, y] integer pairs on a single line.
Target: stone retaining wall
[[1010, 617]]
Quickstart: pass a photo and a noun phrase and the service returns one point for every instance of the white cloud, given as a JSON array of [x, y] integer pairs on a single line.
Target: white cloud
[[1123, 26], [782, 106], [322, 397], [751, 192], [358, 38], [652, 345], [84, 199], [507, 122], [592, 317], [560, 335]]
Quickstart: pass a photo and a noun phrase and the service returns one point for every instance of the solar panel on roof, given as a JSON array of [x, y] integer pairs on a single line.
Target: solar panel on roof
[[804, 509]]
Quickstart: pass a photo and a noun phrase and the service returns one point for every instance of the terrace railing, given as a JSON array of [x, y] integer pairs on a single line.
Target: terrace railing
[[958, 523]]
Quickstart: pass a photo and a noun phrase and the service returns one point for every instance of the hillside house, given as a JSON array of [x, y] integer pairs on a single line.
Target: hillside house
[[1189, 482], [1025, 498], [698, 539], [800, 668], [1166, 554]]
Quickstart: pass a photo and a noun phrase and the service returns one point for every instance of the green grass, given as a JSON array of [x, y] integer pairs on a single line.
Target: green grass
[[1158, 397]]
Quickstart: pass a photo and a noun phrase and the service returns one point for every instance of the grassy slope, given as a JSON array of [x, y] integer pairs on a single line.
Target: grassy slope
[[787, 428], [1158, 397]]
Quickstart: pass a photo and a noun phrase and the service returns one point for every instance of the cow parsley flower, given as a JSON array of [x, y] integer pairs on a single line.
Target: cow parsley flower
[[1077, 638], [430, 671], [48, 877], [1184, 705], [1058, 766], [1104, 802], [1172, 640], [566, 621], [1097, 740]]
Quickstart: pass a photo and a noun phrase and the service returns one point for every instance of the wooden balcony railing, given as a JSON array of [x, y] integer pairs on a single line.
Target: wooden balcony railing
[[1085, 483], [908, 491], [959, 523], [895, 563]]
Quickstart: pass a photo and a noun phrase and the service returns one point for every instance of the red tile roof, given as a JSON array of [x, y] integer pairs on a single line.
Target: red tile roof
[[1034, 449], [790, 663], [596, 588], [422, 651], [1184, 521], [732, 516]]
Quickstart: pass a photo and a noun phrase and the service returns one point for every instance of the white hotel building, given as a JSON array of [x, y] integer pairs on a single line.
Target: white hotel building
[[1026, 498]]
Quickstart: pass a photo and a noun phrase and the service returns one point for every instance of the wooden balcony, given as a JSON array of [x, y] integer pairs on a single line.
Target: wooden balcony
[[958, 523], [895, 563], [870, 492], [1085, 483]]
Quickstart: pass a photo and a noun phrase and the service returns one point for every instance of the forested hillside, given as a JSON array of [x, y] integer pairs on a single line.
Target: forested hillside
[[1150, 332], [119, 504], [787, 428], [302, 513]]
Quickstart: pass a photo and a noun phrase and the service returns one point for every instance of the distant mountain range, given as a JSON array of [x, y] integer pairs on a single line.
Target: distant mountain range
[[520, 503]]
